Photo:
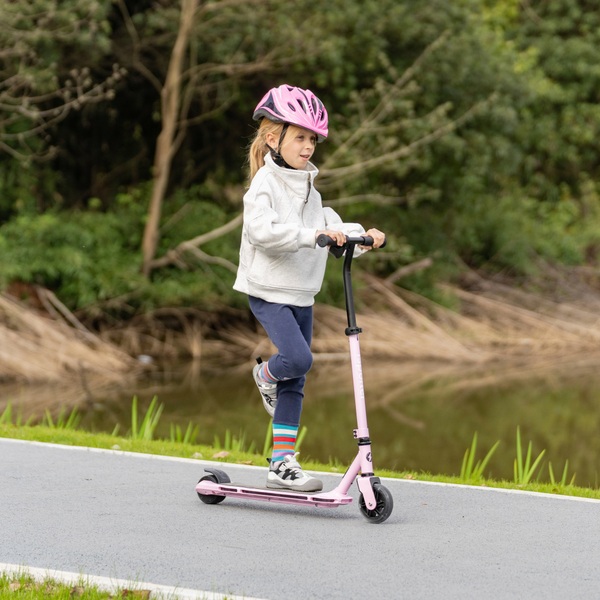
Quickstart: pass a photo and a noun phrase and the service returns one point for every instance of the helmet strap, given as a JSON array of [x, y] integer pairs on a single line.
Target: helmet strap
[[275, 154]]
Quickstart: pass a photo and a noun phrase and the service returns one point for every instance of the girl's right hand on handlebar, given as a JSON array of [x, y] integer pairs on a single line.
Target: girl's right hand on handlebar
[[378, 239], [338, 236]]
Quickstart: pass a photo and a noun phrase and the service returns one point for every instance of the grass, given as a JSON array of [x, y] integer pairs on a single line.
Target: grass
[[472, 471], [524, 469], [24, 586], [68, 437], [235, 449], [145, 429]]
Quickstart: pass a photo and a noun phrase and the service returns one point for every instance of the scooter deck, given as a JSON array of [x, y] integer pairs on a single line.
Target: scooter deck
[[331, 499]]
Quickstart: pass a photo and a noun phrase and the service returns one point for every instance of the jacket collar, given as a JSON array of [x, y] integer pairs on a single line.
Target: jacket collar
[[295, 179]]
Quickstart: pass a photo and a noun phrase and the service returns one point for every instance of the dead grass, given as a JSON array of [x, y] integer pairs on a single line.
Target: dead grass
[[500, 332], [35, 348]]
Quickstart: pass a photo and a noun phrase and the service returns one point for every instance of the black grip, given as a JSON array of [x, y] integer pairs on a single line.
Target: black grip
[[324, 240], [363, 240], [367, 240]]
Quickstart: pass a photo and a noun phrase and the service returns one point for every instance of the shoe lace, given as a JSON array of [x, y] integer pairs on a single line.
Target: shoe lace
[[291, 463]]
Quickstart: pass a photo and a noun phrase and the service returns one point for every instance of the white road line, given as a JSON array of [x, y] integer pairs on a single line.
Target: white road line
[[114, 586]]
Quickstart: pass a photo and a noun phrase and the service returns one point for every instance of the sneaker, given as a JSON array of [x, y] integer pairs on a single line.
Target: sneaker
[[287, 474], [267, 390]]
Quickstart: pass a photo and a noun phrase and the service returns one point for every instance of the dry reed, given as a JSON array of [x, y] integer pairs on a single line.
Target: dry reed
[[34, 348], [498, 333]]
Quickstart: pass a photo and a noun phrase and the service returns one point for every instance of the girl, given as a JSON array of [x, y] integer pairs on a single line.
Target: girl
[[281, 267]]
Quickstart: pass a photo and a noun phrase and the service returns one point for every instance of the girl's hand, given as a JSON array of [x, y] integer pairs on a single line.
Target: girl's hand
[[338, 236], [378, 238]]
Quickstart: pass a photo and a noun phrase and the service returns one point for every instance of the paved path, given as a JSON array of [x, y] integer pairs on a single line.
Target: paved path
[[137, 517]]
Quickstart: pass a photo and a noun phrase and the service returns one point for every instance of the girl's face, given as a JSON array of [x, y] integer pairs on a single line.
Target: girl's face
[[298, 147]]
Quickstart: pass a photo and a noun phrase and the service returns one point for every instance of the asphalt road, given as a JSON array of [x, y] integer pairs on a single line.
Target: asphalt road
[[138, 518]]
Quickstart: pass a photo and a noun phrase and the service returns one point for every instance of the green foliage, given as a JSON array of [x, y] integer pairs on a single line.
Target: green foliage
[[146, 428], [9, 418], [189, 436], [46, 73], [174, 447], [268, 444], [234, 443], [524, 468], [91, 258], [471, 470], [468, 130], [23, 586], [62, 421], [564, 481], [85, 256]]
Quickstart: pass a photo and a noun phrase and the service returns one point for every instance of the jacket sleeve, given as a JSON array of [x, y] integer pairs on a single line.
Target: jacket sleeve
[[265, 230]]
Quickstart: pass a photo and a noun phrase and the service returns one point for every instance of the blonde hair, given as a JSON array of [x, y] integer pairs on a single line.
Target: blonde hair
[[259, 147]]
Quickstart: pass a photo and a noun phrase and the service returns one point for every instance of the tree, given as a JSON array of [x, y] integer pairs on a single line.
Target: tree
[[38, 88], [188, 80]]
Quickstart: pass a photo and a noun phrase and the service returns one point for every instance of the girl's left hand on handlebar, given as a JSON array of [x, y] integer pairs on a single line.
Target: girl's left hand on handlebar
[[378, 238]]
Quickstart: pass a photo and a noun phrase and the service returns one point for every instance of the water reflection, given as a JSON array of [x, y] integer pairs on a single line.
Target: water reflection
[[422, 416]]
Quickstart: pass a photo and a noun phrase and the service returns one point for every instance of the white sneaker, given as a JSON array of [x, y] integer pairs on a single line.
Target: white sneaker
[[287, 474], [267, 390]]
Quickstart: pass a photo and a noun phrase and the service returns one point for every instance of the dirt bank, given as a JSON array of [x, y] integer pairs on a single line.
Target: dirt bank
[[496, 329]]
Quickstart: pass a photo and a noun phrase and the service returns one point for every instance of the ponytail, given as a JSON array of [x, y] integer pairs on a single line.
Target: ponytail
[[258, 146]]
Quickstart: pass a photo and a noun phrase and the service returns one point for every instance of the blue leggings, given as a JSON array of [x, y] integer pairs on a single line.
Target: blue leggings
[[290, 329]]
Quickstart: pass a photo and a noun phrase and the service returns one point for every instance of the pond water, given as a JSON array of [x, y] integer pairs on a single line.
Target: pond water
[[421, 416]]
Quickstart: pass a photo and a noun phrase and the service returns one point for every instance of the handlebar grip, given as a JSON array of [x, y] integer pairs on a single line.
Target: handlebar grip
[[324, 240]]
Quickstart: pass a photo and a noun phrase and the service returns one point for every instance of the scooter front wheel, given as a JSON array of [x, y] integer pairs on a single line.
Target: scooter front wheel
[[384, 504], [210, 498]]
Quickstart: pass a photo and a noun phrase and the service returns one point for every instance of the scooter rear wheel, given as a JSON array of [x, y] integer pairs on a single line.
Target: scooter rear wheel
[[210, 498], [384, 505]]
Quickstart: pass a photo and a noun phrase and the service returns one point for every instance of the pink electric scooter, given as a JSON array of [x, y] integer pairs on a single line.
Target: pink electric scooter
[[375, 500]]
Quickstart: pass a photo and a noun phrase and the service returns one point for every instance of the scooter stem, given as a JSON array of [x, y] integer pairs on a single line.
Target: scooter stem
[[352, 331], [348, 294]]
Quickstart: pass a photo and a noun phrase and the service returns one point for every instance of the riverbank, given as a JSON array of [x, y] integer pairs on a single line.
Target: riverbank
[[483, 333], [477, 322]]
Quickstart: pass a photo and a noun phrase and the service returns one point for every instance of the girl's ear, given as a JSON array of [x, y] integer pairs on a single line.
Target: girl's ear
[[271, 139]]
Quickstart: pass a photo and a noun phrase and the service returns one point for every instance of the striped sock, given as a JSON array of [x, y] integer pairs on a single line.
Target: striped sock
[[284, 441], [265, 374]]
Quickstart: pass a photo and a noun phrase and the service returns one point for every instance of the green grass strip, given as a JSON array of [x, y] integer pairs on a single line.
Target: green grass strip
[[205, 452]]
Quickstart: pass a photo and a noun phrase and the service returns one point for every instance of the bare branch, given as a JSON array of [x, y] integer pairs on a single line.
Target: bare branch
[[175, 256], [386, 102], [172, 257], [135, 40], [331, 176], [406, 270]]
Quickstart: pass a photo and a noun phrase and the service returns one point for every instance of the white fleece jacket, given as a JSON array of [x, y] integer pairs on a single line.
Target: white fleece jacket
[[279, 259]]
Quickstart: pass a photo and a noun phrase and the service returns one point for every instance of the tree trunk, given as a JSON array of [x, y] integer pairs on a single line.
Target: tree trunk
[[165, 148]]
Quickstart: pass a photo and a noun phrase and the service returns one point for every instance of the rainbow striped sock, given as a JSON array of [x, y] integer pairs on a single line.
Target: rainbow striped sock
[[265, 374], [284, 441]]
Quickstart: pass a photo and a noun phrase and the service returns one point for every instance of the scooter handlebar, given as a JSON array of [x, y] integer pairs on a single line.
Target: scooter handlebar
[[324, 240]]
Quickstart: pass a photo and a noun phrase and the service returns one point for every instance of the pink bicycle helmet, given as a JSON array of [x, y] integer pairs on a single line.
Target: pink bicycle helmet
[[288, 104]]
